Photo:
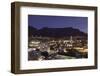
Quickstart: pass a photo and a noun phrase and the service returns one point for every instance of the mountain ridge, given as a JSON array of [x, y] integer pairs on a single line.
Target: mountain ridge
[[55, 32]]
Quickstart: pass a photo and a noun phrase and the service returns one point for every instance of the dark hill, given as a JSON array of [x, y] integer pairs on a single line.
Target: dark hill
[[31, 30], [55, 32]]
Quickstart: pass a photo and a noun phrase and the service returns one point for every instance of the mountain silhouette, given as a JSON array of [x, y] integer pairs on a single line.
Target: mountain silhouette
[[55, 32]]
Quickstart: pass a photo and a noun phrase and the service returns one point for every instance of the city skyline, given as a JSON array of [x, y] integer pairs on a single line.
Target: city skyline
[[40, 21]]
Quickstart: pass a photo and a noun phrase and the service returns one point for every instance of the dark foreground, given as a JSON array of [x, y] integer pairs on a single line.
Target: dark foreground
[[44, 55]]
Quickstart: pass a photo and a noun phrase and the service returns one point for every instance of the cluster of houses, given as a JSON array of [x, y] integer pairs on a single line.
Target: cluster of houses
[[66, 47]]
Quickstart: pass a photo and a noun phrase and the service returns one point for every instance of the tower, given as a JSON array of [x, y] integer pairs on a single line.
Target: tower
[[71, 40]]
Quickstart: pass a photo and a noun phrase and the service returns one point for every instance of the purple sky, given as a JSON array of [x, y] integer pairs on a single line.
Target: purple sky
[[40, 21]]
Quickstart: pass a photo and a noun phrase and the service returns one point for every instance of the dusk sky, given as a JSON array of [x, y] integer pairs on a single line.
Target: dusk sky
[[40, 21]]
